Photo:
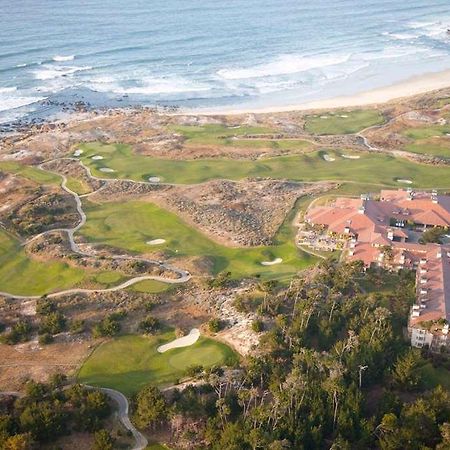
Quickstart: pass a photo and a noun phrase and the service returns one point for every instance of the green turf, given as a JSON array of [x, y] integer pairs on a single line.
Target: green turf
[[216, 134], [370, 168], [130, 362], [32, 173], [431, 140], [433, 377], [24, 276], [129, 225], [78, 186], [109, 278], [335, 123], [151, 287]]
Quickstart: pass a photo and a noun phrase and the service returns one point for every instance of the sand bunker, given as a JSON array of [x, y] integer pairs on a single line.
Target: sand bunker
[[154, 179], [106, 170], [97, 157], [351, 156], [156, 241], [77, 152], [344, 116], [404, 181], [328, 158], [272, 263], [324, 117], [184, 341]]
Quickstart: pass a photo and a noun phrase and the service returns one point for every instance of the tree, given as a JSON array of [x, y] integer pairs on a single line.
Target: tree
[[215, 325], [151, 407], [53, 323], [405, 374], [149, 325], [257, 325], [103, 441], [18, 442]]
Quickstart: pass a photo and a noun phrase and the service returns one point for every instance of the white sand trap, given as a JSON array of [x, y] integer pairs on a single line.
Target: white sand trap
[[324, 117], [154, 179], [351, 156], [328, 158], [97, 157], [184, 341], [344, 116], [272, 263], [156, 242], [106, 170], [78, 152], [399, 180]]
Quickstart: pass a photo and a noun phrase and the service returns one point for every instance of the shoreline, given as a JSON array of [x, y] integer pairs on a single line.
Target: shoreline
[[410, 87]]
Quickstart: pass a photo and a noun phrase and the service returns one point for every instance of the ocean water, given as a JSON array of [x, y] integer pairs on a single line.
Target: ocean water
[[206, 53]]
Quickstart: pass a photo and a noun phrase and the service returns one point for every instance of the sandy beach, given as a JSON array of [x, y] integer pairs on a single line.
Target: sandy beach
[[407, 88]]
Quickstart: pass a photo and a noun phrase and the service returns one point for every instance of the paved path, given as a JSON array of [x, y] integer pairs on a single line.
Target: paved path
[[122, 413], [183, 275]]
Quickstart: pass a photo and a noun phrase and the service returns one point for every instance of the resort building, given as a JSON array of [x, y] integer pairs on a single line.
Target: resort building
[[386, 232]]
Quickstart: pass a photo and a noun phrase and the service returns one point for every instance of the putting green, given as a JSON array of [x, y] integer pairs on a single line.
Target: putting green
[[130, 362], [369, 168], [343, 122]]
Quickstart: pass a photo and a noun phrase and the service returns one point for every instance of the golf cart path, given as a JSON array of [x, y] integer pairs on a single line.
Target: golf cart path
[[183, 275], [141, 441]]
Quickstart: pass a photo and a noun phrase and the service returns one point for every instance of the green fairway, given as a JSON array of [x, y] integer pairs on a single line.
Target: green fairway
[[431, 140], [78, 186], [32, 173], [130, 362], [24, 276], [216, 134], [369, 168], [343, 122], [130, 225]]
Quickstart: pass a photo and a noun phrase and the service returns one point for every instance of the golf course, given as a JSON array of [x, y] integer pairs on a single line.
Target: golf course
[[379, 169], [129, 362]]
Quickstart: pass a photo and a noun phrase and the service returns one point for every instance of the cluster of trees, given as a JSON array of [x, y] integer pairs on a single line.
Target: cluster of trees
[[333, 371], [433, 235], [109, 325], [48, 411], [50, 321]]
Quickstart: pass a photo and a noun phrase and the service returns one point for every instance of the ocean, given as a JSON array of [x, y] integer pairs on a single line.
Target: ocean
[[206, 53]]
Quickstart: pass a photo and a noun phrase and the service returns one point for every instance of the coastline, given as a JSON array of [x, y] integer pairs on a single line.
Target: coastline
[[408, 88]]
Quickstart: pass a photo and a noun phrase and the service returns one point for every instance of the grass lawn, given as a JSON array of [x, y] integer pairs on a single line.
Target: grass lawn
[[128, 363], [431, 140], [129, 225], [32, 173], [370, 168], [151, 287], [216, 134], [24, 276], [343, 122], [433, 377], [78, 186]]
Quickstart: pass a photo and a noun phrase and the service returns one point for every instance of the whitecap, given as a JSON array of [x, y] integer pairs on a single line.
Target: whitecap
[[50, 72], [283, 65], [61, 58], [149, 86], [10, 98]]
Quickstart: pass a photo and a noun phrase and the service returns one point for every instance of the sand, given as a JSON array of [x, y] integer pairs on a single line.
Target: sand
[[404, 181], [106, 170], [184, 341], [328, 158], [156, 242], [97, 157], [78, 152], [154, 179], [413, 86], [272, 263], [351, 156]]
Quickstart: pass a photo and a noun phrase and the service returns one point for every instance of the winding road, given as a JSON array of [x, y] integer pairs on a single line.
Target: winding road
[[183, 275], [141, 441]]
